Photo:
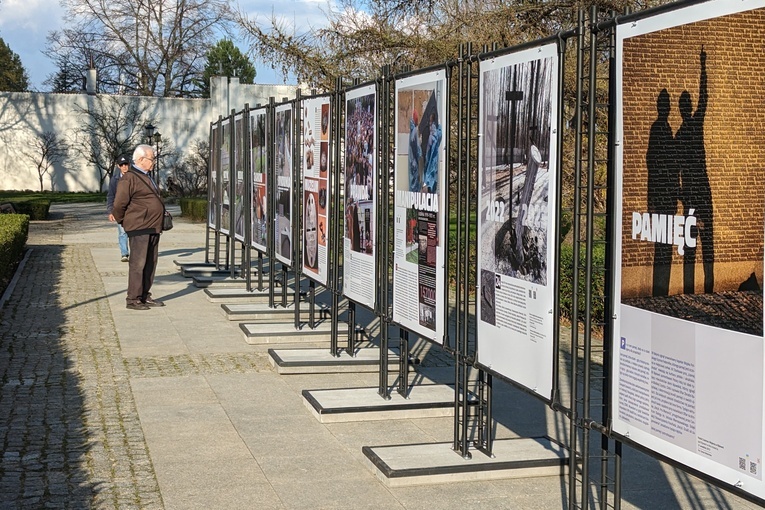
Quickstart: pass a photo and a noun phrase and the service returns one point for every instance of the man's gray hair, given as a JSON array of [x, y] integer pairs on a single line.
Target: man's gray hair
[[141, 151]]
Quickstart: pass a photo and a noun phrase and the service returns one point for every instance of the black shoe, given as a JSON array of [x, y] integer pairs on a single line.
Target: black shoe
[[137, 306], [152, 302]]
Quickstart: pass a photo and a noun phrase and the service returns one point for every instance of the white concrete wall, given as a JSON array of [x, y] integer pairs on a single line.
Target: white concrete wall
[[24, 116]]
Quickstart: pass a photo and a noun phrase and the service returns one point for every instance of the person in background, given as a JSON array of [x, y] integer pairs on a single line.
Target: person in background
[[139, 208], [123, 165]]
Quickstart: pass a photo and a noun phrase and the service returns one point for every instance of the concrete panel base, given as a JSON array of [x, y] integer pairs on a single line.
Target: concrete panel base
[[241, 295], [205, 282], [186, 263], [321, 361], [262, 333], [420, 464], [365, 404], [189, 271], [261, 312]]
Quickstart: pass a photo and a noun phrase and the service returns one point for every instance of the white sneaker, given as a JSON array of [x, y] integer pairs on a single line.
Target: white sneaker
[[124, 258]]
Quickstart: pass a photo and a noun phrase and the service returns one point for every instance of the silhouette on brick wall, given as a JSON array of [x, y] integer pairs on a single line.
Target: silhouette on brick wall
[[663, 187], [696, 193]]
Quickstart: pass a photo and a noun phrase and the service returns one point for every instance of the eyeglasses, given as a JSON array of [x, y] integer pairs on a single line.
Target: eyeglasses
[[150, 159]]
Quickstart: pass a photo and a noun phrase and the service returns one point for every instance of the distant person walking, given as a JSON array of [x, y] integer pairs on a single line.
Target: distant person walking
[[139, 208], [123, 165]]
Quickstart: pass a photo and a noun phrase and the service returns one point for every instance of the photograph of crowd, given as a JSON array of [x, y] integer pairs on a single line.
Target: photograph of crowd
[[359, 172]]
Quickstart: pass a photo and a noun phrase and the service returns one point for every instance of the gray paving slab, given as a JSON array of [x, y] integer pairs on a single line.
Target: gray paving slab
[[171, 408]]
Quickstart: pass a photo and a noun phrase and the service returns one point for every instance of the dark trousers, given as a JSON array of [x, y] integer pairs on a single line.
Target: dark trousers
[[144, 250]]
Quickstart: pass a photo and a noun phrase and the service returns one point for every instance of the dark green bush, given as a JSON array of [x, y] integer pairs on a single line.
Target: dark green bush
[[14, 229], [194, 209], [567, 283], [36, 208]]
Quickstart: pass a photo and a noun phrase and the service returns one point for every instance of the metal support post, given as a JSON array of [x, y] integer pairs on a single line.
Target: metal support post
[[230, 242], [485, 441], [403, 363], [271, 199], [245, 140], [335, 215], [383, 251]]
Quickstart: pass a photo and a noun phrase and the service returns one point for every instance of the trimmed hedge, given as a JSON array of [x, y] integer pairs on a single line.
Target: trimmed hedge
[[14, 229], [35, 208], [566, 282], [194, 209]]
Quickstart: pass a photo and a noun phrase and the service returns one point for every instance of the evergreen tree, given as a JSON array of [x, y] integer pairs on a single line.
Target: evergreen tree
[[66, 80], [13, 76], [225, 59]]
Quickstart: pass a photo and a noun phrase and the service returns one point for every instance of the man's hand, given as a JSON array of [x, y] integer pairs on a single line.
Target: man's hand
[[111, 218]]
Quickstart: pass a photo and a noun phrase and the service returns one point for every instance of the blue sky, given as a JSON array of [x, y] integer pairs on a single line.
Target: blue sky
[[24, 25]]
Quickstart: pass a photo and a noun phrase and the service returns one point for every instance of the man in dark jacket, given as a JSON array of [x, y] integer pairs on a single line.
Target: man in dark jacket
[[123, 165], [139, 209]]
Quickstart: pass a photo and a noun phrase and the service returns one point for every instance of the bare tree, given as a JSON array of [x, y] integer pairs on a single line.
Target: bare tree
[[140, 47], [73, 54], [44, 151], [356, 41], [360, 36], [189, 177], [114, 126]]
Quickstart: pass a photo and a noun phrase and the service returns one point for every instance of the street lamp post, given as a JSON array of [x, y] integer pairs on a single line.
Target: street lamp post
[[153, 136]]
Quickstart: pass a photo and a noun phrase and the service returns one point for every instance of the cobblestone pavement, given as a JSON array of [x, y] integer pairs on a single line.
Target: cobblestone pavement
[[70, 435], [200, 364], [69, 429]]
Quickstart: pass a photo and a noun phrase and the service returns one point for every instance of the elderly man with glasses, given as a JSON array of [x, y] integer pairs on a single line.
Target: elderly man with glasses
[[138, 207]]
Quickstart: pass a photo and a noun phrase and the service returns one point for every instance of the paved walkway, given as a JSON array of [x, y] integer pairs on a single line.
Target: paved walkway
[[103, 407]]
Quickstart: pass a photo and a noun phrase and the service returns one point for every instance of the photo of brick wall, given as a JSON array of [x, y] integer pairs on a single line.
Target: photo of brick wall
[[693, 168]]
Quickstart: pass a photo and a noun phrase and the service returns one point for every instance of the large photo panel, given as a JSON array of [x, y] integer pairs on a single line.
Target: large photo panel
[[259, 180], [213, 193], [517, 180], [359, 271], [688, 336], [225, 176], [283, 171], [239, 190], [420, 205], [316, 189]]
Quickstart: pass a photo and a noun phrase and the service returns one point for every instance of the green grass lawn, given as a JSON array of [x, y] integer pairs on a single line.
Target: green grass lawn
[[53, 196]]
